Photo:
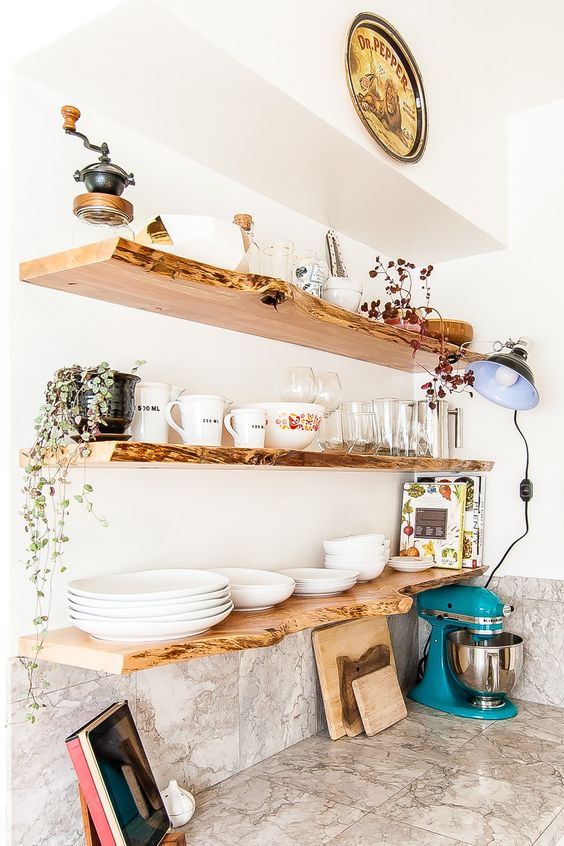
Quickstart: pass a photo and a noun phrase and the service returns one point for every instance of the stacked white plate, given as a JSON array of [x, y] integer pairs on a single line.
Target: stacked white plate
[[408, 564], [367, 554], [256, 590], [314, 581], [149, 605]]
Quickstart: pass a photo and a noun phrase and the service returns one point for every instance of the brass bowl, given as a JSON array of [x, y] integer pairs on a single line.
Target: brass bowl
[[455, 331]]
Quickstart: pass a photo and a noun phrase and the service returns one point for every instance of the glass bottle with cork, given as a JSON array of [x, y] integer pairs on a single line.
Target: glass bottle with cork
[[252, 250]]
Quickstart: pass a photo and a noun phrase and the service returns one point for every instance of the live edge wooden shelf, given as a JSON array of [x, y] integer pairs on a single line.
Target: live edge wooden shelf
[[129, 274], [133, 454], [389, 594]]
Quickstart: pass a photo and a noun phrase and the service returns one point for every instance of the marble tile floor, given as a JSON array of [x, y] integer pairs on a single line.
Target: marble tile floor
[[431, 780]]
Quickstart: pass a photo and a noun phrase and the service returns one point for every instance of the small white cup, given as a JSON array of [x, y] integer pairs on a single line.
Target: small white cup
[[201, 416], [247, 427]]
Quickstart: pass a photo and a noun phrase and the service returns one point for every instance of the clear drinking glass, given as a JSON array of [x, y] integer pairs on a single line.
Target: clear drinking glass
[[386, 415], [359, 432], [331, 432], [276, 259], [405, 428], [298, 384], [425, 428], [328, 391]]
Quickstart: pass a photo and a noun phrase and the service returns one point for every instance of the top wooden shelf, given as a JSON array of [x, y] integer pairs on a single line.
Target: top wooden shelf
[[129, 274]]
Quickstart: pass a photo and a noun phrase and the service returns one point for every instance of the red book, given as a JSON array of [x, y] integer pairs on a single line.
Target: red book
[[91, 796]]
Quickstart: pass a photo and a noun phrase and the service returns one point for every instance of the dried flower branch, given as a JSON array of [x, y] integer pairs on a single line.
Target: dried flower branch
[[399, 278]]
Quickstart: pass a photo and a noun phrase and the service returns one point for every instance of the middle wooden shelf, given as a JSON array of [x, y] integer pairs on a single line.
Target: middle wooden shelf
[[134, 454]]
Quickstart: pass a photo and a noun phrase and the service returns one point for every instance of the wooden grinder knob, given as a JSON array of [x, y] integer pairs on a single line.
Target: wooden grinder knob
[[71, 114]]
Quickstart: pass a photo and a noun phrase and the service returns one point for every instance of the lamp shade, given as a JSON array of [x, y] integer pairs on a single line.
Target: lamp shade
[[506, 379]]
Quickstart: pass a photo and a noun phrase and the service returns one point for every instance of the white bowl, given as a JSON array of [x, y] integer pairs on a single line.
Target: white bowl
[[143, 631], [351, 559], [314, 575], [148, 584], [207, 239], [366, 571], [340, 548], [256, 590], [415, 559], [323, 590], [410, 568], [342, 282], [290, 425], [343, 297]]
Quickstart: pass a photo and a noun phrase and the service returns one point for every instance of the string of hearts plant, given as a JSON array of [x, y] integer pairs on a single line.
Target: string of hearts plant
[[76, 402], [400, 310]]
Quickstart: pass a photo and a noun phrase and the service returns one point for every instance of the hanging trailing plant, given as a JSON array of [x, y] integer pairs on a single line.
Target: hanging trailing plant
[[77, 400], [399, 310]]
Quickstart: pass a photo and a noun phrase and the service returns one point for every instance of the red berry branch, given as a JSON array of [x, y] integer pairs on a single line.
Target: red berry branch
[[399, 310]]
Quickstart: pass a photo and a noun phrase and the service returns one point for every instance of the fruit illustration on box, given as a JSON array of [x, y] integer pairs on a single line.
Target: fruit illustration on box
[[432, 522]]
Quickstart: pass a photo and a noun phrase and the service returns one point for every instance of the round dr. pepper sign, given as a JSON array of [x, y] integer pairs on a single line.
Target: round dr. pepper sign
[[386, 87]]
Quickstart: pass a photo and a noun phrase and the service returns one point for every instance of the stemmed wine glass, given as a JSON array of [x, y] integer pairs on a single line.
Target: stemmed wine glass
[[298, 384], [328, 391]]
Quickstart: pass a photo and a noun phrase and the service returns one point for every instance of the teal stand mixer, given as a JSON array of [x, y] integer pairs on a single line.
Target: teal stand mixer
[[472, 664]]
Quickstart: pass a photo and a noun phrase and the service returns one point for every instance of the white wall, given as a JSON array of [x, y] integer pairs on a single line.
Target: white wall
[[178, 517], [508, 294], [300, 47]]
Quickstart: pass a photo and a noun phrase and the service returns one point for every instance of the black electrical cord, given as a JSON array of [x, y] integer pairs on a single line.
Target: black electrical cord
[[526, 494]]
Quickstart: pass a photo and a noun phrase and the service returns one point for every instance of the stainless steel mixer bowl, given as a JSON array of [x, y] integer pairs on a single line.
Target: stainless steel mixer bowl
[[486, 665]]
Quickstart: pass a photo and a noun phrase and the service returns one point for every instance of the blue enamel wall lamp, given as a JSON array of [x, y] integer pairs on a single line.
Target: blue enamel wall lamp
[[505, 378]]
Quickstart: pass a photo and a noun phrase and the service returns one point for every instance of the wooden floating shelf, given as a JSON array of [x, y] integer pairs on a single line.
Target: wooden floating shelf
[[389, 594], [129, 274], [135, 454]]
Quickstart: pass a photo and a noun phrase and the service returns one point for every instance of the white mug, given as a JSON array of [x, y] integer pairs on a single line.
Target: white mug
[[201, 416], [247, 426], [149, 422]]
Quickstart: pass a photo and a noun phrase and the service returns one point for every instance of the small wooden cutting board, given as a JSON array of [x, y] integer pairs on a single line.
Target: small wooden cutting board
[[343, 652], [379, 699]]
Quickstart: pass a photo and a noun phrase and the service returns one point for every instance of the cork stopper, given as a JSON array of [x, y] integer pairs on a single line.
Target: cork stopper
[[245, 221]]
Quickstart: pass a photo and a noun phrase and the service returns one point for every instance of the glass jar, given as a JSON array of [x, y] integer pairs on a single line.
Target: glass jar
[[309, 272], [99, 217]]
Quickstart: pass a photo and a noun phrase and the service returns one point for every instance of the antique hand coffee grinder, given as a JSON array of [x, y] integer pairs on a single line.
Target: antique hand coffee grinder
[[102, 212]]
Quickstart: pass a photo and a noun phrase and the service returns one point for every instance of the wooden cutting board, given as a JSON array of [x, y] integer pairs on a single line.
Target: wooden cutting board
[[345, 652], [379, 699]]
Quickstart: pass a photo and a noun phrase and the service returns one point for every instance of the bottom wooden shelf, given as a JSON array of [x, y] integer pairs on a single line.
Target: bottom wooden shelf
[[389, 594]]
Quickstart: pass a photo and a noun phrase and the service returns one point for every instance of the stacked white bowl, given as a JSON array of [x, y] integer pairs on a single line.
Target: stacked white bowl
[[314, 581], [367, 554], [256, 590], [149, 605], [409, 564]]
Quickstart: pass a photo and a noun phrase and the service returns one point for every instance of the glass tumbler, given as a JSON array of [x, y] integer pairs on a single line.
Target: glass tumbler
[[359, 432], [405, 428], [386, 415], [276, 259], [425, 426], [328, 391], [298, 384], [331, 432]]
